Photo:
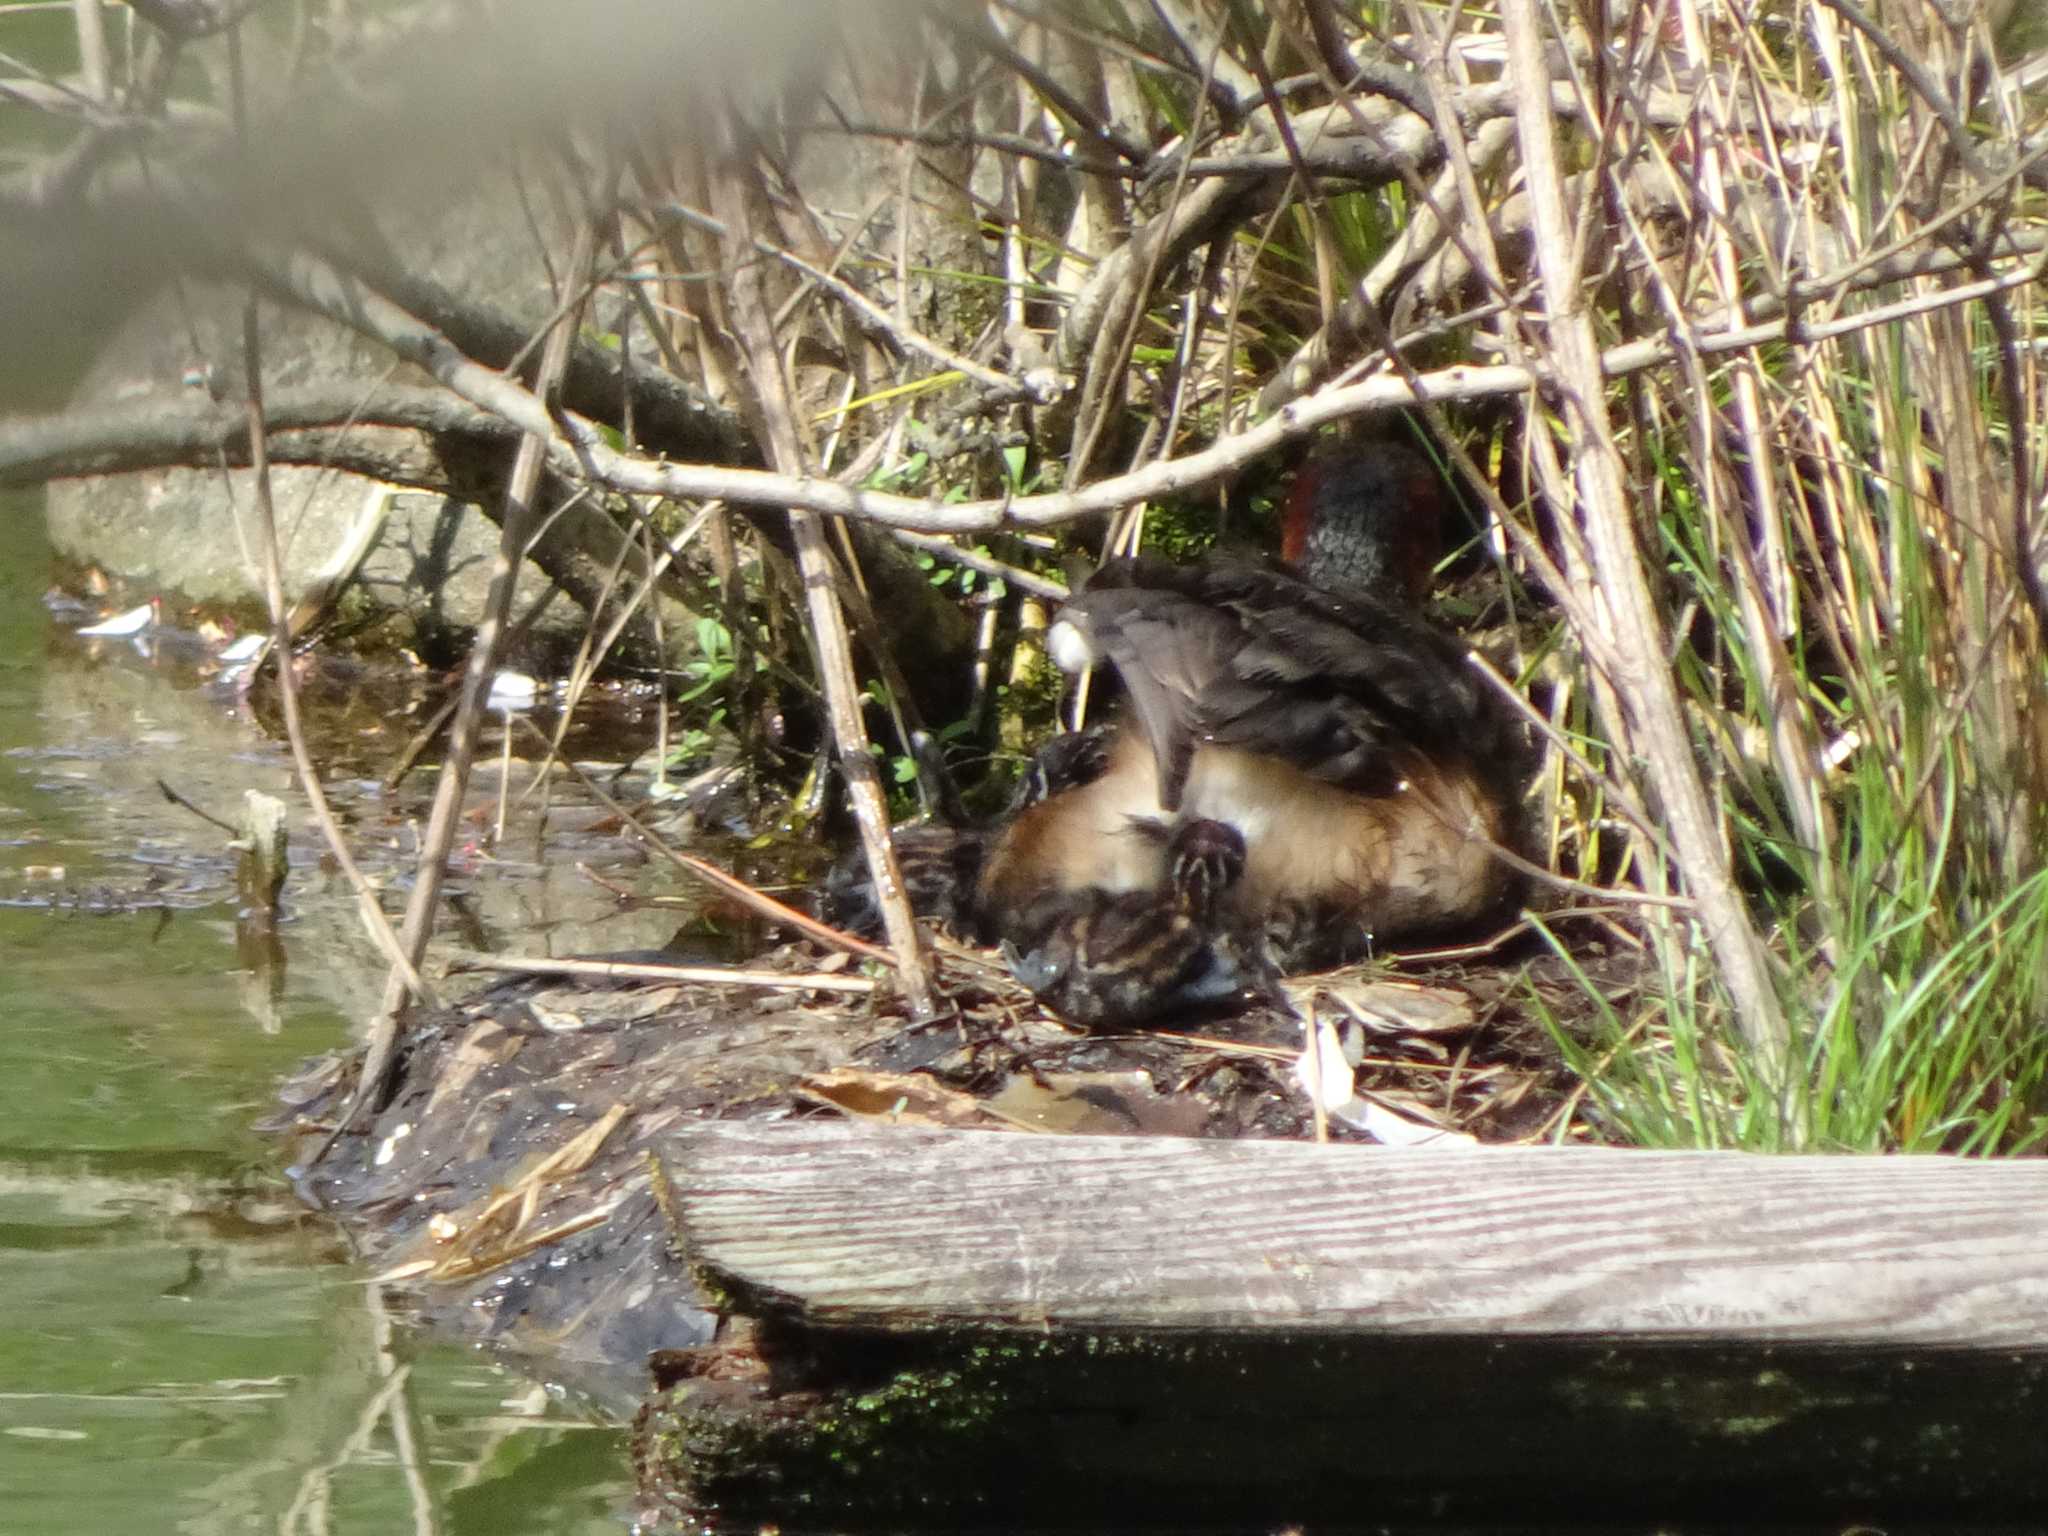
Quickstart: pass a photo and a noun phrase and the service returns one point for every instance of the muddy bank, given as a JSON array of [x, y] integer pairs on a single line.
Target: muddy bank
[[508, 1184]]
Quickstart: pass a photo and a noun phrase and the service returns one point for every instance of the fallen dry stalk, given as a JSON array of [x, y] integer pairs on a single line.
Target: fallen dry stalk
[[498, 1233], [634, 970]]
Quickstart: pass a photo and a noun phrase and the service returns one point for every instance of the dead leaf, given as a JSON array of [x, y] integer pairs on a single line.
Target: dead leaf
[[1399, 1007]]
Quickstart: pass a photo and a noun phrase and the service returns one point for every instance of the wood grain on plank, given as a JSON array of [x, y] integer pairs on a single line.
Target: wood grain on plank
[[858, 1226]]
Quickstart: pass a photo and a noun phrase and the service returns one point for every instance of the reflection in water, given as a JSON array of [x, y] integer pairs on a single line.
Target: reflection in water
[[182, 1347]]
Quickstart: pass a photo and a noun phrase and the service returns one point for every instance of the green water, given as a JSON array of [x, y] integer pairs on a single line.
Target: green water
[[182, 1347]]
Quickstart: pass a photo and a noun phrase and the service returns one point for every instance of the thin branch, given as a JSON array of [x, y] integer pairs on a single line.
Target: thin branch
[[756, 340], [1294, 422], [514, 534], [973, 560], [903, 338], [1919, 78], [1640, 678], [980, 34], [281, 649], [975, 138], [725, 883], [31, 448]]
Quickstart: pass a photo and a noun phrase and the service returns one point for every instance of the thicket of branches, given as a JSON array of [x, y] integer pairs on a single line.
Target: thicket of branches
[[1727, 316]]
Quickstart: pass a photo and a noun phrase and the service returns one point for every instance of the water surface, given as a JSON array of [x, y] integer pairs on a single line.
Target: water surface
[[182, 1347]]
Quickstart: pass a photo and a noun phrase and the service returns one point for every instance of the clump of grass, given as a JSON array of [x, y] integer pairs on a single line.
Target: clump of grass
[[1848, 543]]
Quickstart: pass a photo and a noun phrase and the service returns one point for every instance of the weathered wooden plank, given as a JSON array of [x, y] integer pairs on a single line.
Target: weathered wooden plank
[[853, 1226]]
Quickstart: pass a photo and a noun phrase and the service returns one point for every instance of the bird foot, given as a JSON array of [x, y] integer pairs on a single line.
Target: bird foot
[[1068, 761], [1204, 859]]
